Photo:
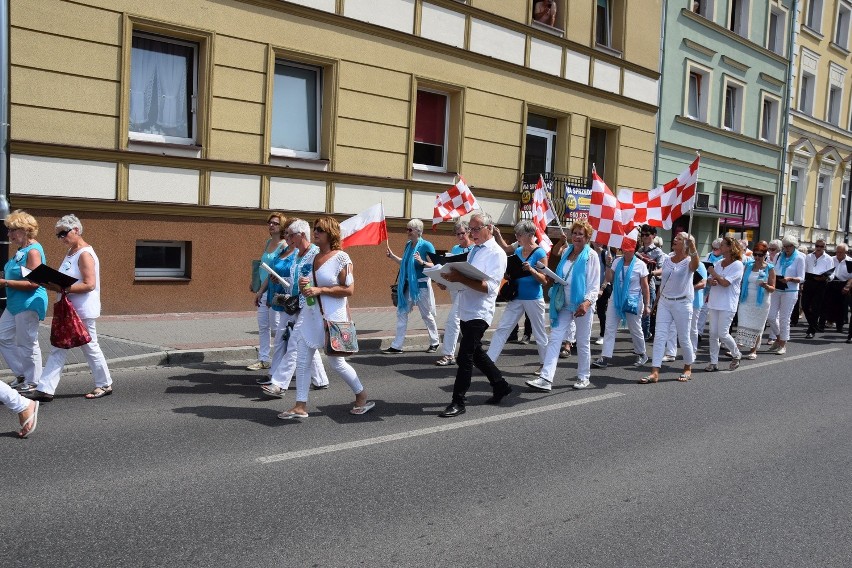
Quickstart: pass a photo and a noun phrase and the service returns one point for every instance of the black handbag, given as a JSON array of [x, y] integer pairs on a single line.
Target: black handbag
[[394, 295], [508, 291], [288, 302]]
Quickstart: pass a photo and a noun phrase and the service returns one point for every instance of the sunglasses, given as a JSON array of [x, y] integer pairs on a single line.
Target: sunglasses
[[63, 234], [318, 230], [819, 246], [273, 223], [759, 254]]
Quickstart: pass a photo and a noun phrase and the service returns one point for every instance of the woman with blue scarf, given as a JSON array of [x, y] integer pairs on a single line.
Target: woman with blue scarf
[[630, 300], [758, 282], [789, 274], [571, 303], [414, 288]]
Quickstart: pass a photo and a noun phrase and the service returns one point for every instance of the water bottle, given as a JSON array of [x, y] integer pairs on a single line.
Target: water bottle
[[761, 276], [305, 270]]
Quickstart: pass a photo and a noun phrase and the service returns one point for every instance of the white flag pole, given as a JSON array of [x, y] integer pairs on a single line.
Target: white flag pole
[[695, 198]]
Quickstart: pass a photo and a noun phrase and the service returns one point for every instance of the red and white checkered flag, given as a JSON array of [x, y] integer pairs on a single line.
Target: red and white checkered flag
[[542, 214], [606, 218], [663, 205], [453, 203]]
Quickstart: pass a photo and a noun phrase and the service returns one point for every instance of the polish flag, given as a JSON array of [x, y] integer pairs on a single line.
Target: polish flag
[[542, 214], [366, 228]]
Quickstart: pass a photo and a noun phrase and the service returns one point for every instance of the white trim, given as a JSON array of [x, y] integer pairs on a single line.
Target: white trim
[[739, 104], [289, 152]]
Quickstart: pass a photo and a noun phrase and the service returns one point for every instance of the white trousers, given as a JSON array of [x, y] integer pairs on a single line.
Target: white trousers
[[781, 306], [634, 325], [511, 317], [94, 357], [582, 332], [451, 328], [304, 357], [12, 399], [673, 317], [267, 323], [720, 333], [426, 304], [19, 344], [671, 344], [284, 357], [702, 315]]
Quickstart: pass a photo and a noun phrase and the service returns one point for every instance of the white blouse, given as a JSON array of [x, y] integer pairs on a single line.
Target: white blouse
[[677, 279], [310, 322], [727, 298]]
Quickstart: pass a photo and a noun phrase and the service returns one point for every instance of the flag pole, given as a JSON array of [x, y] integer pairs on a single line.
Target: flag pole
[[558, 214], [689, 230]]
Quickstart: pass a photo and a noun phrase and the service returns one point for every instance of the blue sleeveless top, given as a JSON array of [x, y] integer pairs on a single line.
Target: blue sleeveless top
[[18, 301]]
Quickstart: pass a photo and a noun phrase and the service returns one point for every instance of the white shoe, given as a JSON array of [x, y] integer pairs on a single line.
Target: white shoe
[[260, 365], [599, 341], [669, 358], [539, 384], [774, 347], [582, 384], [781, 350], [640, 360], [600, 363], [273, 391]]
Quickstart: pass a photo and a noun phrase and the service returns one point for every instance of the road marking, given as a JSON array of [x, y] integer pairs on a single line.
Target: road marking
[[785, 358], [433, 430]]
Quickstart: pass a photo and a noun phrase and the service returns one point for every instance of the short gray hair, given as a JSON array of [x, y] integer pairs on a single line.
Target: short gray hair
[[483, 217], [775, 243], [300, 226], [717, 242], [416, 224], [463, 225], [790, 240], [70, 222], [525, 227]]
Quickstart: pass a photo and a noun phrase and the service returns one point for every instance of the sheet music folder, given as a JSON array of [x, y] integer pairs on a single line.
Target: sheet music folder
[[445, 258], [43, 274]]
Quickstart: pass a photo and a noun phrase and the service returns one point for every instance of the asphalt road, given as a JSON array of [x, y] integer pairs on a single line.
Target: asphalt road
[[186, 466]]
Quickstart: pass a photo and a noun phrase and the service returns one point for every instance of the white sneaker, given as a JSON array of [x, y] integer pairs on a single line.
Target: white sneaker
[[260, 365], [669, 358], [599, 341], [781, 350], [774, 347], [582, 384], [539, 384], [640, 360]]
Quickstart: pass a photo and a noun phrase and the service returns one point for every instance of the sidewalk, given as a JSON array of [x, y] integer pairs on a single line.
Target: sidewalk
[[175, 339]]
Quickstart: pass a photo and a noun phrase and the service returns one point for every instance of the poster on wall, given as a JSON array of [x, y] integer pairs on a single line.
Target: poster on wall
[[575, 203]]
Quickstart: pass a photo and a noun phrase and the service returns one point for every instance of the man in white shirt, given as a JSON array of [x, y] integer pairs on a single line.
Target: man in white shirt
[[836, 304], [476, 310], [817, 264]]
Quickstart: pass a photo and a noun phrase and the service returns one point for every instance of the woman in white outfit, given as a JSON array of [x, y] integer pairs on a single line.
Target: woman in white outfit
[[27, 410], [299, 252], [451, 328], [674, 305], [82, 263], [758, 283], [725, 277], [267, 319], [530, 298], [772, 258], [789, 274], [713, 256], [326, 289], [572, 303], [630, 299]]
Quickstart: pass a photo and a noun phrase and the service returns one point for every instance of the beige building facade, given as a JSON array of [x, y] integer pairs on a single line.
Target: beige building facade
[[173, 128], [819, 149]]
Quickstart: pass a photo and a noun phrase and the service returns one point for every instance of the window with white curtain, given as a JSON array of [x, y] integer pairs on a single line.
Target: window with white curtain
[[823, 190], [813, 15], [163, 85], [296, 110], [793, 208], [842, 219]]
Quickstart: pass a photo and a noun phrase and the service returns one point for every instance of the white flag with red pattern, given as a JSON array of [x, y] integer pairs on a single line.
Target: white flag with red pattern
[[454, 203], [663, 205], [607, 218], [542, 214]]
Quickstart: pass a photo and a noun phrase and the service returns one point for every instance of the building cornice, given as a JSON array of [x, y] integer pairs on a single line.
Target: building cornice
[[717, 157], [727, 133], [802, 121], [695, 46], [770, 79], [690, 15]]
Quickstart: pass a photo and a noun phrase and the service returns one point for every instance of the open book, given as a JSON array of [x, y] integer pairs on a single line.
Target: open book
[[550, 274], [437, 273], [43, 274]]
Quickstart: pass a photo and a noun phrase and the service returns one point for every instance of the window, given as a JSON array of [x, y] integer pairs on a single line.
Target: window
[[732, 112], [841, 30], [769, 116], [603, 23], [843, 218], [777, 33], [549, 13], [813, 16], [806, 93], [832, 114], [430, 130], [540, 145], [162, 259], [163, 87], [603, 153], [793, 195], [738, 17], [296, 110], [703, 7], [821, 209], [697, 92]]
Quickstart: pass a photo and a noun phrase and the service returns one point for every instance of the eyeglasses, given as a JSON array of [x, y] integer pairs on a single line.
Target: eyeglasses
[[318, 230], [409, 230], [463, 233], [63, 234], [273, 223], [477, 229], [773, 250], [819, 246], [787, 246], [759, 254]]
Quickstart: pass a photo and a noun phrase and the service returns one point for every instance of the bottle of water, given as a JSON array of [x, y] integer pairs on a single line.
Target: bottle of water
[[305, 271]]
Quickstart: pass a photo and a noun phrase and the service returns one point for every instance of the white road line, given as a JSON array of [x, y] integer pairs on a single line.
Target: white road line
[[780, 359], [434, 430]]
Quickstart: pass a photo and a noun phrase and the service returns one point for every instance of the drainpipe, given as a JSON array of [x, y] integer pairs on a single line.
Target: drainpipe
[[4, 137], [782, 190], [660, 92]]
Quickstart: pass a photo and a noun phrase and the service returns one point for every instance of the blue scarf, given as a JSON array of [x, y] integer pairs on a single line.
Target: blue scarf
[[785, 261], [408, 275], [761, 291], [578, 283], [621, 285]]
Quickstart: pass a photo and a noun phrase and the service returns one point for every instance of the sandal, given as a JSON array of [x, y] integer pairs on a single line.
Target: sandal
[[711, 368], [735, 363], [684, 377], [98, 392], [648, 379], [751, 356], [364, 408]]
